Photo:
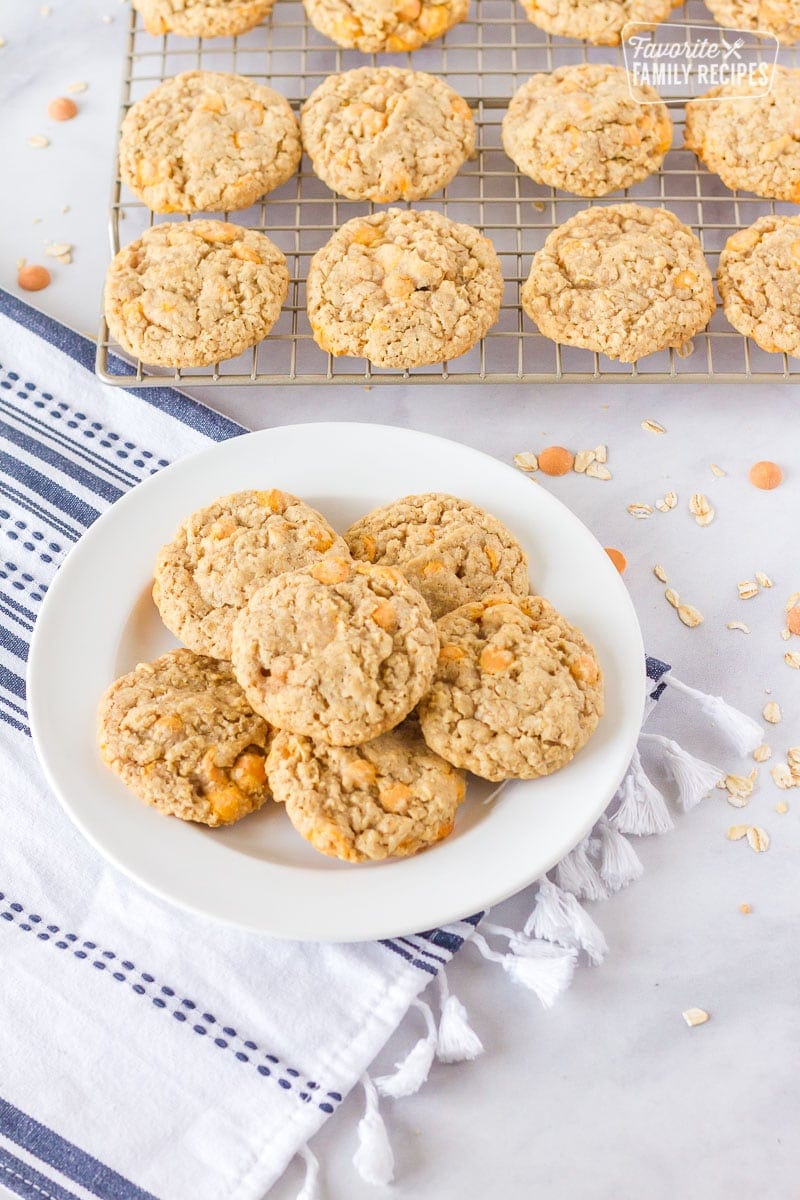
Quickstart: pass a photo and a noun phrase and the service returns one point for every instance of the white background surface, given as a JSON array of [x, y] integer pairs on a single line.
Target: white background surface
[[609, 1096]]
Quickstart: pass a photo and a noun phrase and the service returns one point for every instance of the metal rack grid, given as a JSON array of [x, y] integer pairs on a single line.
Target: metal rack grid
[[486, 58]]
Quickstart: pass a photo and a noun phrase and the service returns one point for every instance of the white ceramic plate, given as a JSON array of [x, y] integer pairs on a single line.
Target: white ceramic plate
[[99, 620]]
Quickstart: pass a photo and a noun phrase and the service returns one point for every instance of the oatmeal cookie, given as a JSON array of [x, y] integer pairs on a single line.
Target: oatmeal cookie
[[386, 133], [778, 17], [391, 25], [403, 288], [202, 18], [598, 21], [451, 550], [580, 129], [180, 734], [752, 144], [390, 797], [204, 141], [221, 554], [518, 690], [190, 293], [759, 282], [624, 281], [339, 651]]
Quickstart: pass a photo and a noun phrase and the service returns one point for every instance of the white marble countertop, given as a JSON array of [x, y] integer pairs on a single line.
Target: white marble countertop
[[609, 1096]]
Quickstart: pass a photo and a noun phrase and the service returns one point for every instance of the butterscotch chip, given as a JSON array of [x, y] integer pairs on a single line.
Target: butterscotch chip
[[223, 553], [779, 17], [598, 21], [622, 280], [452, 551], [749, 140], [181, 735], [393, 25], [204, 141], [313, 659], [524, 698], [390, 797], [759, 282], [580, 129], [189, 293], [202, 18], [403, 288], [385, 133]]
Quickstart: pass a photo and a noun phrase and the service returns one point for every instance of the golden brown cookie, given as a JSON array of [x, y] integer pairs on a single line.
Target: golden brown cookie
[[598, 21], [391, 25], [759, 282], [778, 17], [202, 18]]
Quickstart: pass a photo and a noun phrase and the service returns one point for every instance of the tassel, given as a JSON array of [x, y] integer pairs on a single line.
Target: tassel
[[577, 874], [373, 1159], [457, 1041], [642, 808], [545, 970], [741, 731], [310, 1189], [694, 777], [619, 862], [413, 1071], [558, 917]]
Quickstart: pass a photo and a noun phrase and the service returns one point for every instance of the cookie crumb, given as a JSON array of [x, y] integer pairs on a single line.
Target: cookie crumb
[[745, 908]]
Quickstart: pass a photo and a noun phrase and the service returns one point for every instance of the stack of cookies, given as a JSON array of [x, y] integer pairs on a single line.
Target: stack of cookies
[[353, 679]]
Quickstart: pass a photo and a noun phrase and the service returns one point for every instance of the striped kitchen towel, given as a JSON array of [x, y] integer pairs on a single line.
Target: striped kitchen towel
[[147, 1052]]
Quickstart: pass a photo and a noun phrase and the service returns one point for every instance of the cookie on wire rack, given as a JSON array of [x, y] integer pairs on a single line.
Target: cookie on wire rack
[[598, 21], [391, 25], [778, 17], [202, 18], [759, 282]]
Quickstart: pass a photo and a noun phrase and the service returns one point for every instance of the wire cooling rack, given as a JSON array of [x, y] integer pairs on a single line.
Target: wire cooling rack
[[486, 58]]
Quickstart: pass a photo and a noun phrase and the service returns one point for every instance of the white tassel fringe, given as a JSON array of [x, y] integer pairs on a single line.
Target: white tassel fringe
[[310, 1188], [619, 862], [413, 1071], [558, 917], [373, 1158], [543, 969], [577, 874], [641, 808], [741, 731], [694, 777], [457, 1040]]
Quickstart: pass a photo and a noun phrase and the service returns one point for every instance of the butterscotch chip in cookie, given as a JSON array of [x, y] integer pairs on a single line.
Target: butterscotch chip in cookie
[[223, 553], [450, 549], [622, 280], [386, 133], [202, 18], [190, 293], [778, 17], [518, 690], [205, 141], [579, 128], [752, 142], [392, 25], [180, 734], [390, 797], [759, 282], [598, 21], [339, 651], [403, 288]]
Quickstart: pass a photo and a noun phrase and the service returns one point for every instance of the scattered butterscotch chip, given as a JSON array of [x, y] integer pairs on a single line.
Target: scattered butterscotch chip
[[757, 839], [617, 557], [781, 807], [33, 278], [745, 908], [653, 427], [62, 109], [783, 777], [583, 459], [771, 712], [747, 589], [740, 625], [556, 460], [690, 615], [765, 475], [695, 1016], [660, 573], [38, 141], [672, 597], [79, 86], [763, 580], [640, 511], [792, 659], [736, 832], [793, 620], [717, 472], [762, 753], [596, 470], [526, 461]]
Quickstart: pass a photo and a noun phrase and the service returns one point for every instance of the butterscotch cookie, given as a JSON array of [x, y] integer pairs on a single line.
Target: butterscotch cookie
[[223, 553], [205, 141], [190, 293], [385, 133], [580, 129], [759, 282], [518, 690], [180, 734], [403, 288], [624, 281], [339, 651], [751, 143], [778, 17], [451, 550], [598, 21], [202, 18], [390, 797], [392, 25]]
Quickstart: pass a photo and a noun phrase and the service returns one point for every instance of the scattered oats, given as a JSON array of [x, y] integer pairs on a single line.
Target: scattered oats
[[740, 788], [38, 142], [59, 250], [793, 600], [786, 634], [671, 500], [740, 625], [527, 461], [772, 712], [706, 518], [695, 1016], [106, 19], [720, 784], [717, 471], [783, 777], [672, 597], [763, 580], [698, 504], [690, 615], [582, 460], [653, 427], [2, 42], [662, 506], [792, 659], [781, 807], [736, 832], [80, 86], [747, 589], [65, 208], [660, 573], [745, 908], [762, 753], [601, 453], [597, 470], [793, 757], [757, 839], [686, 350], [640, 511], [37, 220], [20, 263]]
